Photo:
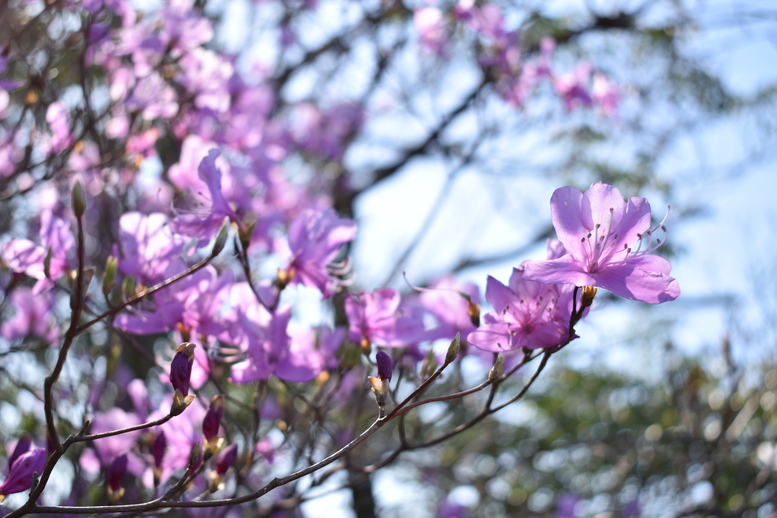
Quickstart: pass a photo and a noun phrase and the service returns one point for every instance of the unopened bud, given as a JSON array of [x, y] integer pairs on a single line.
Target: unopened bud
[[181, 367], [128, 287], [115, 477], [226, 459], [195, 457], [158, 448], [429, 365], [221, 238], [496, 369], [384, 365], [210, 426], [109, 275], [79, 200], [453, 349]]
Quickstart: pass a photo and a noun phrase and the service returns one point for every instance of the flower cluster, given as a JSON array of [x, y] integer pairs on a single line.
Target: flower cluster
[[217, 198]]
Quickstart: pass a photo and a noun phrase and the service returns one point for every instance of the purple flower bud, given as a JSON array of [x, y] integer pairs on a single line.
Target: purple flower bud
[[226, 459], [181, 367], [116, 472], [20, 477], [212, 420], [158, 448], [384, 366], [21, 447]]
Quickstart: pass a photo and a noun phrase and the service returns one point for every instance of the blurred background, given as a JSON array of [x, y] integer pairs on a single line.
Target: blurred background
[[446, 155]]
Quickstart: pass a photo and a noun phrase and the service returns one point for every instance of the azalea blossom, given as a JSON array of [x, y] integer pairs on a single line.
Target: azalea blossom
[[527, 314], [609, 245], [377, 318], [315, 238]]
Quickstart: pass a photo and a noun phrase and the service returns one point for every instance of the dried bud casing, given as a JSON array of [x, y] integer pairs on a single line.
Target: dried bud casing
[[473, 311], [180, 402], [245, 233], [587, 297]]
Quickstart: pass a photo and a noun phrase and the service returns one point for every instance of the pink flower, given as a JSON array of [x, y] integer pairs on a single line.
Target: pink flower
[[598, 230], [376, 318], [527, 314], [20, 477], [430, 24], [315, 238]]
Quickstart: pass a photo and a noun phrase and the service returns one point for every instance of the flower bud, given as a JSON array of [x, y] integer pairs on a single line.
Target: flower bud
[[496, 370], [226, 459], [212, 420], [109, 275], [384, 365], [210, 426], [79, 200], [22, 446], [115, 477], [21, 474], [453, 349], [181, 367], [429, 365], [195, 457], [221, 238], [158, 452]]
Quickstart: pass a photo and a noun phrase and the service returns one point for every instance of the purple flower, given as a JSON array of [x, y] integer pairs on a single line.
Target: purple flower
[[271, 348], [22, 447], [21, 473], [598, 230], [375, 317], [315, 238], [454, 305], [32, 317], [24, 256], [206, 224], [528, 314], [149, 247]]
